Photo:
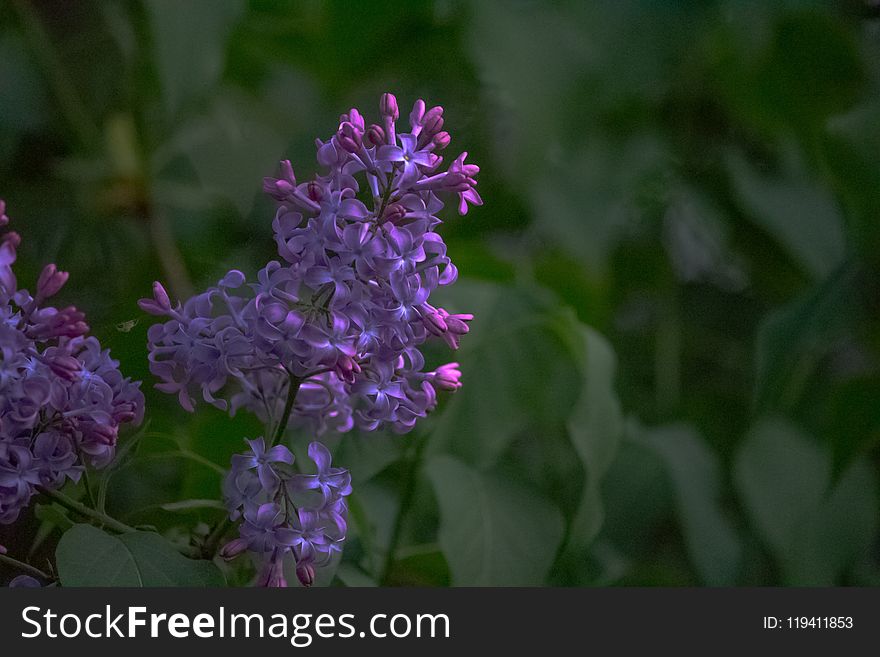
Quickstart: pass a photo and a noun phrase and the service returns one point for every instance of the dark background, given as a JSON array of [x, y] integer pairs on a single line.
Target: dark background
[[696, 182]]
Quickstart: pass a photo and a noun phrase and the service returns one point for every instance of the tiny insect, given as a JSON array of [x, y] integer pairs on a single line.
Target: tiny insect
[[125, 327]]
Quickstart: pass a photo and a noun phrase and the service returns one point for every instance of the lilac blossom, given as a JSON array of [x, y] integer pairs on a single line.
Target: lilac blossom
[[287, 515], [346, 308], [62, 398], [329, 336]]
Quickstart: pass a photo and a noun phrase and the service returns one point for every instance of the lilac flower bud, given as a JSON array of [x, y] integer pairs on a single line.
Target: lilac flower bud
[[3, 218], [388, 106], [50, 282], [233, 548], [315, 191], [65, 367], [160, 304], [161, 296], [349, 137], [447, 377], [375, 135], [103, 434], [11, 238], [272, 575], [51, 323], [2, 547], [415, 117], [394, 213], [281, 188], [346, 368], [434, 321], [355, 118], [232, 280], [441, 140], [305, 573], [456, 323], [432, 122]]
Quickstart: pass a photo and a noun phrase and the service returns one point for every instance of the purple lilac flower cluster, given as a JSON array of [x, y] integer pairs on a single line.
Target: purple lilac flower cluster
[[62, 398], [285, 512], [341, 317]]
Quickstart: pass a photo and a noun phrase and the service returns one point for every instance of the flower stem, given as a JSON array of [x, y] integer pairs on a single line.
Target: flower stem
[[292, 390], [385, 197], [88, 486], [105, 520], [25, 567], [212, 542], [86, 512], [406, 500]]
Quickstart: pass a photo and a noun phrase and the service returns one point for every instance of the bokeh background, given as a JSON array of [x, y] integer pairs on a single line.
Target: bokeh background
[[674, 374]]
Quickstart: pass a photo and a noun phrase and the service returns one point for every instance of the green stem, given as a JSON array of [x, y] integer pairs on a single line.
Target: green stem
[[212, 542], [406, 500], [86, 512], [105, 520], [88, 486], [292, 390], [25, 567], [385, 197]]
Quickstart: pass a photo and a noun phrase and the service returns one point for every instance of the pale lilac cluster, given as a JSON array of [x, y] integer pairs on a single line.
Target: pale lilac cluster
[[344, 312], [62, 398], [286, 514]]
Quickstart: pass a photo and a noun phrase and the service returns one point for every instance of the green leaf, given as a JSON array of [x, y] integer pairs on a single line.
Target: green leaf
[[838, 532], [19, 79], [815, 530], [792, 338], [500, 399], [793, 207], [352, 576], [87, 556], [781, 477], [594, 426], [492, 532], [695, 474], [232, 144], [190, 44]]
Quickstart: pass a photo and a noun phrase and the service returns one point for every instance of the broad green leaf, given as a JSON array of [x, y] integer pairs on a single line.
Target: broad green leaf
[[189, 40], [492, 532], [352, 576], [694, 472], [840, 530], [20, 79], [232, 144], [781, 477], [594, 426], [814, 528], [87, 556], [795, 209], [367, 455], [792, 338], [519, 370]]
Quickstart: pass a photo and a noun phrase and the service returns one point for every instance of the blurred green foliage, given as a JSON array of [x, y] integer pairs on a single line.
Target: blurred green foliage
[[696, 182]]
